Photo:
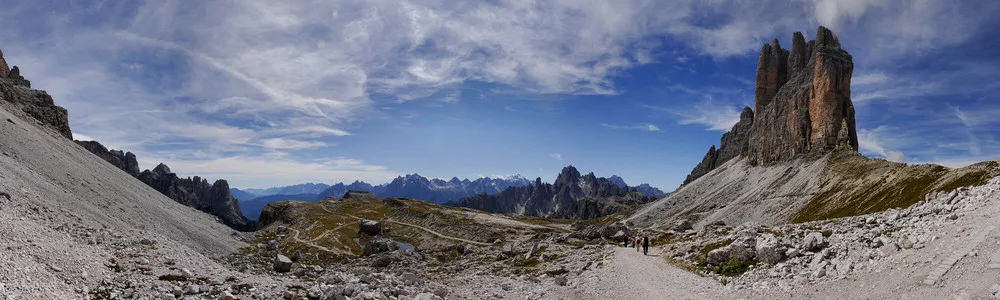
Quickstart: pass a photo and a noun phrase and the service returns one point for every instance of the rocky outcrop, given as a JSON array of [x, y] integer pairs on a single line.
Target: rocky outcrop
[[124, 161], [14, 77], [4, 69], [802, 104], [571, 196], [195, 192], [16, 91]]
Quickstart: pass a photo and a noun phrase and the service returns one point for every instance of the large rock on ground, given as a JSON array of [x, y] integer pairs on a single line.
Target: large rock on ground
[[378, 245], [718, 257], [768, 249], [282, 264], [370, 227], [813, 241]]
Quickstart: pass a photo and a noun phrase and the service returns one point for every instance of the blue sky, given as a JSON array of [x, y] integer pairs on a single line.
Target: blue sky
[[267, 93]]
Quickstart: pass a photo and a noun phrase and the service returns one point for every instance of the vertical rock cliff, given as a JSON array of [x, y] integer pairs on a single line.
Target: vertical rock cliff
[[802, 104]]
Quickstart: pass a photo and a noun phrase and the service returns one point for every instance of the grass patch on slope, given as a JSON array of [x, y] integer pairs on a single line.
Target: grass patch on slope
[[864, 186]]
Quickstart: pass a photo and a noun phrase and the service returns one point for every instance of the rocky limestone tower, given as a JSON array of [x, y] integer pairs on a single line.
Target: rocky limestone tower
[[802, 104], [830, 106], [772, 73]]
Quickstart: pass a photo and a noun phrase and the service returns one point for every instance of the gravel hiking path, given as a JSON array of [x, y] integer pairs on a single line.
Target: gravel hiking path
[[428, 230], [631, 275], [439, 234], [295, 236]]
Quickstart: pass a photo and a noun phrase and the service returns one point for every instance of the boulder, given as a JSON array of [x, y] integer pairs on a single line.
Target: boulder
[[370, 227], [719, 256], [282, 264], [768, 250], [682, 225], [738, 251], [381, 262], [813, 242], [378, 245]]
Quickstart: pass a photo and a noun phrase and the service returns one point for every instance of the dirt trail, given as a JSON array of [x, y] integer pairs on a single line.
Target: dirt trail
[[631, 275], [310, 243], [435, 233], [439, 234]]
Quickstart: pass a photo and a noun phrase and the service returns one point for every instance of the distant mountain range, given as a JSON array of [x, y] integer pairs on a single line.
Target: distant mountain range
[[570, 196], [305, 188], [409, 186]]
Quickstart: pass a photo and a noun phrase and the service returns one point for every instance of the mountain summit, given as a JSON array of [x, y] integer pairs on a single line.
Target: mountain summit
[[802, 105], [571, 196]]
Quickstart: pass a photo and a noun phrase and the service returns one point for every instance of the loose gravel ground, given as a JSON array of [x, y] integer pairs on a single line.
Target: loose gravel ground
[[631, 275]]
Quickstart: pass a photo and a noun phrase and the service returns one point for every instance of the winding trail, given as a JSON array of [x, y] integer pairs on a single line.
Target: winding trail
[[439, 234], [631, 275], [428, 230], [310, 243]]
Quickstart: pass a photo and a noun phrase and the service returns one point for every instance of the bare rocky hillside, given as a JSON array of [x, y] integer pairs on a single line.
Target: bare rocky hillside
[[838, 184]]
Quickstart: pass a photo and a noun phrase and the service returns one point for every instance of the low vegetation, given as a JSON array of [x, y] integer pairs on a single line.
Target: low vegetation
[[857, 185]]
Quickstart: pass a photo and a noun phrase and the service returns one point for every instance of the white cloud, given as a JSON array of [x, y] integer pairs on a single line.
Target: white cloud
[[644, 127], [244, 171], [281, 143], [873, 142], [833, 12], [869, 78], [711, 115], [557, 156], [81, 137], [970, 124]]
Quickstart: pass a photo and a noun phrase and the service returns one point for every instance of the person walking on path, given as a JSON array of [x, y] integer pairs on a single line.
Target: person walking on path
[[645, 244], [638, 240]]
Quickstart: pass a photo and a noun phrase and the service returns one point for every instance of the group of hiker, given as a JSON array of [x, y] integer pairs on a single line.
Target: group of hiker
[[639, 240]]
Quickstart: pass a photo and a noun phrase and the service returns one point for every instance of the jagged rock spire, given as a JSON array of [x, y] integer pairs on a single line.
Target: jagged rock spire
[[802, 104]]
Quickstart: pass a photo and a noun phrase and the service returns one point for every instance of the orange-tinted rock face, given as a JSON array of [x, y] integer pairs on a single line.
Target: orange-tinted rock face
[[802, 104], [812, 111], [830, 103], [772, 73]]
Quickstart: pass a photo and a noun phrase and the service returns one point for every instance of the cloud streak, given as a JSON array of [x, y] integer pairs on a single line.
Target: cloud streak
[[643, 127]]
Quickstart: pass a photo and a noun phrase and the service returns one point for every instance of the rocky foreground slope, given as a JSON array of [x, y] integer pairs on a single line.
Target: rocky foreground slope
[[945, 246]]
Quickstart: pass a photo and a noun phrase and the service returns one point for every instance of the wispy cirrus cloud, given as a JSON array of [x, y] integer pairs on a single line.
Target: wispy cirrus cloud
[[643, 127], [250, 78], [875, 142], [556, 156], [707, 114]]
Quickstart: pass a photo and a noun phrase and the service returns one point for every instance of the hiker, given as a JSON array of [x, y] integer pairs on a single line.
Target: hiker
[[645, 245], [638, 240]]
